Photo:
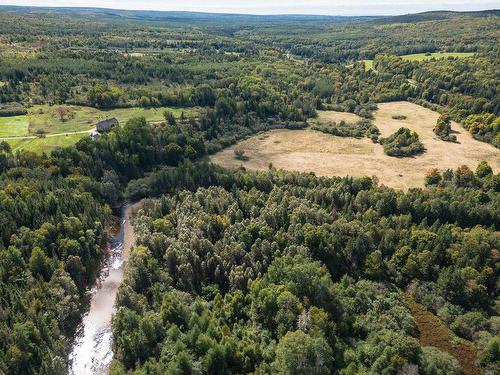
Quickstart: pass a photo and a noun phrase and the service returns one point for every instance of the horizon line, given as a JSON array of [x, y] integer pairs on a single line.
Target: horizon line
[[207, 12]]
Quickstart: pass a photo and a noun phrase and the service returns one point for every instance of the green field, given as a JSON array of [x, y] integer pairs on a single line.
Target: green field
[[76, 119], [437, 55], [40, 145], [67, 118], [423, 57], [14, 126]]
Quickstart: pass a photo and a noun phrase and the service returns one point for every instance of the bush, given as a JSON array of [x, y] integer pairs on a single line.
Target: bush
[[399, 117], [469, 324], [485, 127], [402, 143], [483, 170], [296, 125], [443, 129], [432, 177], [240, 154]]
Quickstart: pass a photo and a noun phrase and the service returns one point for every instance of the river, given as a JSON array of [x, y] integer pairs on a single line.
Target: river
[[91, 352]]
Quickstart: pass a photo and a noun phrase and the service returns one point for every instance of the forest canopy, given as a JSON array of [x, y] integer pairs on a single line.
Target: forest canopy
[[239, 272]]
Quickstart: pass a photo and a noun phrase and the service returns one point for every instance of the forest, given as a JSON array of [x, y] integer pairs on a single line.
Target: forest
[[249, 272]]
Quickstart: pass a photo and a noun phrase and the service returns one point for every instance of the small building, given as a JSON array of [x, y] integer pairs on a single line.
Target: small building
[[106, 125]]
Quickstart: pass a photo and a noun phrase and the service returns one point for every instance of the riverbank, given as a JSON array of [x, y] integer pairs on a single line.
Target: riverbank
[[91, 352]]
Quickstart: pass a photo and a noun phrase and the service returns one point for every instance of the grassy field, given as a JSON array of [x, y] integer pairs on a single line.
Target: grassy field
[[68, 119], [48, 144], [64, 118], [423, 57], [327, 155], [436, 55], [327, 117], [14, 126]]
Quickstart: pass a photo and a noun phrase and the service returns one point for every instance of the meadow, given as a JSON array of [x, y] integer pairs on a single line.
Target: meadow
[[328, 155], [47, 144], [64, 125], [69, 118], [14, 126], [425, 57]]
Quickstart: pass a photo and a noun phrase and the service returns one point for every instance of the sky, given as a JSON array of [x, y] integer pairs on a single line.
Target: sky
[[328, 7]]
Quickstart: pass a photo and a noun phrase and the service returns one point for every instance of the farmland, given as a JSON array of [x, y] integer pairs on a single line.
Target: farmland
[[70, 123], [425, 57], [327, 155], [14, 126], [46, 144]]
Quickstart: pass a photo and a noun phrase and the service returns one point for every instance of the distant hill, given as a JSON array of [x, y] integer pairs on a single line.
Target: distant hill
[[145, 15], [434, 16], [201, 17]]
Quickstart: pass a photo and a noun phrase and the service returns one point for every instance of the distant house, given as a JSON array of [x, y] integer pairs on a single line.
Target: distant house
[[106, 125]]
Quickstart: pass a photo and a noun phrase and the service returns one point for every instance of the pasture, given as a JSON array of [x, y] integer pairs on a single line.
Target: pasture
[[436, 55], [47, 144], [67, 118], [327, 155], [424, 56], [64, 125], [14, 126]]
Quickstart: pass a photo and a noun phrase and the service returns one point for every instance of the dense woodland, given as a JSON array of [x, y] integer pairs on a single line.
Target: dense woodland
[[247, 272]]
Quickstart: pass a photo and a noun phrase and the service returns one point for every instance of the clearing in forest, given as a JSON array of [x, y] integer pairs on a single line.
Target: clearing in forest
[[425, 56], [328, 155], [70, 123], [71, 118]]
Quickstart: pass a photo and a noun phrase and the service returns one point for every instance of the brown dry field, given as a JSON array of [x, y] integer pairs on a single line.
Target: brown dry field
[[327, 155], [333, 116]]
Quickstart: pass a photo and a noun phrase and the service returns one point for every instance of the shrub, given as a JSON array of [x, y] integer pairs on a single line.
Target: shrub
[[483, 170], [443, 129], [402, 143], [433, 177], [485, 127], [399, 117], [169, 117], [240, 154]]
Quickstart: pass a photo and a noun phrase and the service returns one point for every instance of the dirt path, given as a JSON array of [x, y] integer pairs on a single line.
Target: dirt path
[[433, 332], [46, 136]]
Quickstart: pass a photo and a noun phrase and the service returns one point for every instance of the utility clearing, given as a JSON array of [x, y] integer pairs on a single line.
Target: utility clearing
[[328, 155]]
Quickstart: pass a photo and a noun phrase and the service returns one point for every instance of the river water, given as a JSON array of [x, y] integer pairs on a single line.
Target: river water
[[91, 352]]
